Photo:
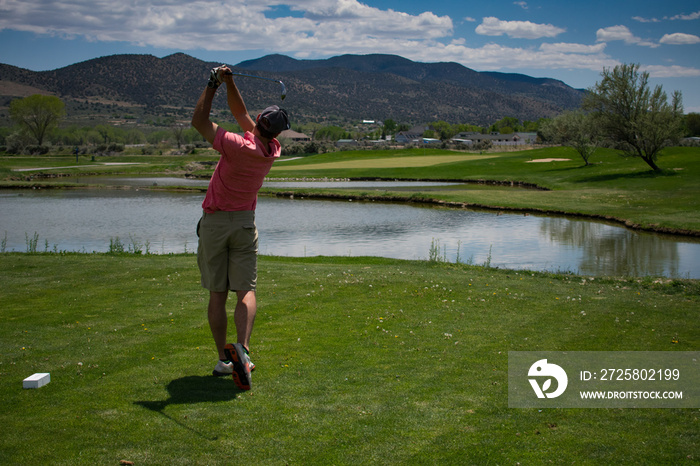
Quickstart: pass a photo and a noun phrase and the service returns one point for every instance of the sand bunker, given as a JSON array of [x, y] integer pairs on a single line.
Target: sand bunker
[[547, 160]]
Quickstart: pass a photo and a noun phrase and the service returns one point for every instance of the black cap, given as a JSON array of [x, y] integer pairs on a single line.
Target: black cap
[[274, 119]]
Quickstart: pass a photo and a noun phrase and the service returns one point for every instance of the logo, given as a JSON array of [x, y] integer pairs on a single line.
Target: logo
[[543, 369]]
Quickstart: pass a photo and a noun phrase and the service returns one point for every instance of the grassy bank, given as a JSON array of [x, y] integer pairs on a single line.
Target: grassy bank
[[20, 170], [614, 188], [359, 361]]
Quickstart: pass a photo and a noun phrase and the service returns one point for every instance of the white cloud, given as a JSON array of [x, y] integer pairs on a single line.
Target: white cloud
[[491, 26], [523, 5], [315, 29], [646, 20], [496, 57], [684, 17], [621, 33], [679, 39], [674, 71], [350, 15], [224, 25], [615, 33], [572, 48]]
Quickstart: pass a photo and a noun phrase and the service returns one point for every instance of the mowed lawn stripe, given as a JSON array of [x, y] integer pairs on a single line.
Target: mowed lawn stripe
[[387, 162]]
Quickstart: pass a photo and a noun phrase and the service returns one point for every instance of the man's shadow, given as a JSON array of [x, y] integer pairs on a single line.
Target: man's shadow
[[194, 389]]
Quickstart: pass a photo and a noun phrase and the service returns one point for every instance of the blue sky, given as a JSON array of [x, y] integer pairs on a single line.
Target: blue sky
[[571, 41]]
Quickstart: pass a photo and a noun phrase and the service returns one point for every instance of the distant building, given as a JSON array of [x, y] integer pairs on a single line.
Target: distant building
[[497, 139], [413, 135], [294, 136]]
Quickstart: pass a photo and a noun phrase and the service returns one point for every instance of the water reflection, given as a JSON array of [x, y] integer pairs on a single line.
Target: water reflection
[[86, 220], [615, 249]]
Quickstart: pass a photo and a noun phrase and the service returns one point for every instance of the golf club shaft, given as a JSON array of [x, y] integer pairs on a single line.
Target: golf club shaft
[[284, 89]]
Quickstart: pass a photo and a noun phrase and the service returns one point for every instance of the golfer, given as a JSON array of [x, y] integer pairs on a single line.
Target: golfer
[[228, 237]]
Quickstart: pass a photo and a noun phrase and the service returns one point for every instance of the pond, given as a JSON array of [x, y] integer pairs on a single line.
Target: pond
[[164, 222], [174, 181]]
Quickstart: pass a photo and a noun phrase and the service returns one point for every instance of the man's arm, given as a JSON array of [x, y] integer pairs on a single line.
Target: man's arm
[[200, 118], [235, 102]]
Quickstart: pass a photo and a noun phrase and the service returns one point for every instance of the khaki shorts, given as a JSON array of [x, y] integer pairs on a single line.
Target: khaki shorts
[[227, 253]]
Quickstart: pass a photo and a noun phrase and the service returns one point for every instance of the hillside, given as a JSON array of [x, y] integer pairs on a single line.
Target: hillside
[[336, 90]]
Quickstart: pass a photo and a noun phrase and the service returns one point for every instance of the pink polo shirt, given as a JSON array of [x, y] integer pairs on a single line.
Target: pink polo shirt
[[243, 165]]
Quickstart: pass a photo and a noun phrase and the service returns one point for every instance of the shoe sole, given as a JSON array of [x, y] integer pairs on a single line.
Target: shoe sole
[[241, 371]]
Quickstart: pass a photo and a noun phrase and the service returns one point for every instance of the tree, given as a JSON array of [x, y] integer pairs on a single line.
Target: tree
[[37, 114], [637, 120], [692, 123], [331, 133], [506, 130], [179, 133], [532, 126], [573, 129], [467, 128], [158, 136], [389, 127], [107, 132], [506, 125], [442, 130]]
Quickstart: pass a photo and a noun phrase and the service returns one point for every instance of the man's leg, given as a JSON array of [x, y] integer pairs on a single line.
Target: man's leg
[[244, 316], [218, 321]]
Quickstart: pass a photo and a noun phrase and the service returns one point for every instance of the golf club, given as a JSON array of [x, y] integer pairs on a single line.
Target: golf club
[[284, 89]]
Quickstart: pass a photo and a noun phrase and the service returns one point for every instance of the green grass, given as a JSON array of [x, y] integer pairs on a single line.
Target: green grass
[[139, 165], [359, 361]]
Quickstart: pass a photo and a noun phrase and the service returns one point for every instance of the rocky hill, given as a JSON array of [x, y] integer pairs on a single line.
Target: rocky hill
[[335, 90]]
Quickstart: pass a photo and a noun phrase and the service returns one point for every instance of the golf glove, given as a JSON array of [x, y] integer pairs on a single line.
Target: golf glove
[[215, 79]]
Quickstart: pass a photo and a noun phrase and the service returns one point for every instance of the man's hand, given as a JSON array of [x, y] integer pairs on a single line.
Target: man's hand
[[224, 74], [218, 75]]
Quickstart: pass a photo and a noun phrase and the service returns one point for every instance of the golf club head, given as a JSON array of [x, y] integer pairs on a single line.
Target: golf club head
[[284, 90]]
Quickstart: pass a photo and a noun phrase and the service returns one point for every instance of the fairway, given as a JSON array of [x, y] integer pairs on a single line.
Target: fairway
[[359, 361], [387, 162]]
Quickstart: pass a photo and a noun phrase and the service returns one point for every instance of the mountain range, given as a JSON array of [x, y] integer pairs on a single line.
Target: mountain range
[[336, 90]]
